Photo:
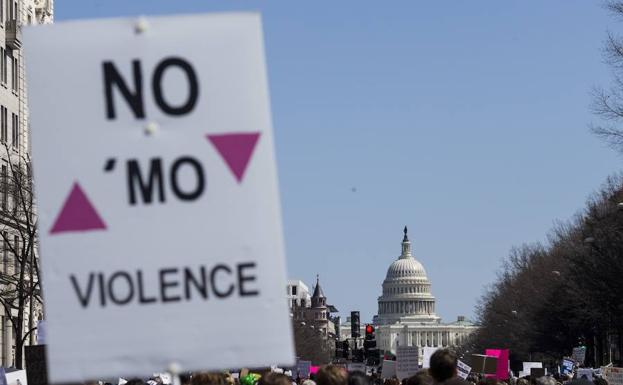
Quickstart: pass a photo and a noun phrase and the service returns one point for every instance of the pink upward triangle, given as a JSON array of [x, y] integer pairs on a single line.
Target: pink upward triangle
[[236, 150], [77, 214]]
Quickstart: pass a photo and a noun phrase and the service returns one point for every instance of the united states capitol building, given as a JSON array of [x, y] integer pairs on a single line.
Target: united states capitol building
[[406, 309]]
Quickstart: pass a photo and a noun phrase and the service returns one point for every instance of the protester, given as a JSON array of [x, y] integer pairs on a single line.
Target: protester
[[420, 378], [443, 365], [204, 378], [358, 378], [331, 375], [274, 379], [545, 380]]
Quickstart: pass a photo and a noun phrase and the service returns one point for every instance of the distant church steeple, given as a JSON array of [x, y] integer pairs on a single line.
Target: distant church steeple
[[406, 246]]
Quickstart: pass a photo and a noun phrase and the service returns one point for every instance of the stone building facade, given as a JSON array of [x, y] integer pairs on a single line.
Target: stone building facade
[[15, 149]]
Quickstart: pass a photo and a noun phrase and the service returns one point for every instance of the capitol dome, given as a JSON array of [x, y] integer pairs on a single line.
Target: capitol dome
[[405, 268], [406, 290]]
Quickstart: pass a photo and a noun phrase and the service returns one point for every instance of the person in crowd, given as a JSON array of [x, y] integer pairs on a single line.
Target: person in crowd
[[545, 380], [523, 381], [420, 378], [443, 365], [204, 378], [309, 381], [358, 378], [273, 378], [331, 375]]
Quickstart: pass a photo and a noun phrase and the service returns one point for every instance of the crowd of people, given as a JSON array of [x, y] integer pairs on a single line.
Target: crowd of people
[[442, 371]]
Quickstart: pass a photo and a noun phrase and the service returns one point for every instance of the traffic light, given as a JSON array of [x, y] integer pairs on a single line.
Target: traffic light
[[370, 352], [354, 324]]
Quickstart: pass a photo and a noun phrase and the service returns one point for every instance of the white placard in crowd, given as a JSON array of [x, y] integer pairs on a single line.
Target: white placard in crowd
[[407, 361], [529, 365], [588, 372], [16, 377], [157, 193], [463, 370], [303, 368], [389, 369], [428, 352], [579, 354], [356, 366]]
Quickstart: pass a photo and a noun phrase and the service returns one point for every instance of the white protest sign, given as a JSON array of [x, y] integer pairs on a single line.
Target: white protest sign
[[356, 366], [428, 352], [303, 368], [463, 370], [388, 369], [579, 354], [16, 377], [614, 376], [157, 192], [529, 365], [407, 361], [588, 372]]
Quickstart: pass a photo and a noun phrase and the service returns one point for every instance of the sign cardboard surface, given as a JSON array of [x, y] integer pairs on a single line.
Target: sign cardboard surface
[[389, 369], [527, 367], [157, 193], [537, 372], [614, 376], [579, 354], [502, 367], [463, 369], [567, 366], [15, 377], [481, 363], [428, 352], [588, 372], [356, 366], [407, 361], [303, 368]]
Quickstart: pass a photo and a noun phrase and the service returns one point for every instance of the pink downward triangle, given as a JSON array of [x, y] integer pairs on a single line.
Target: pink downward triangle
[[77, 214], [236, 150]]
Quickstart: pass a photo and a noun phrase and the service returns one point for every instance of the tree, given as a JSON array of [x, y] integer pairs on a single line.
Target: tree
[[20, 290], [608, 102], [548, 299]]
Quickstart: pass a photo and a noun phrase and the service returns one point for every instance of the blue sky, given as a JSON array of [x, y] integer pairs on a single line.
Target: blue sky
[[466, 121]]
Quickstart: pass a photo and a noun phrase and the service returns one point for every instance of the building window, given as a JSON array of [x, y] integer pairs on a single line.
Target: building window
[[5, 69], [3, 124], [15, 130], [5, 186], [14, 74], [5, 254], [2, 65], [16, 254], [293, 290]]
